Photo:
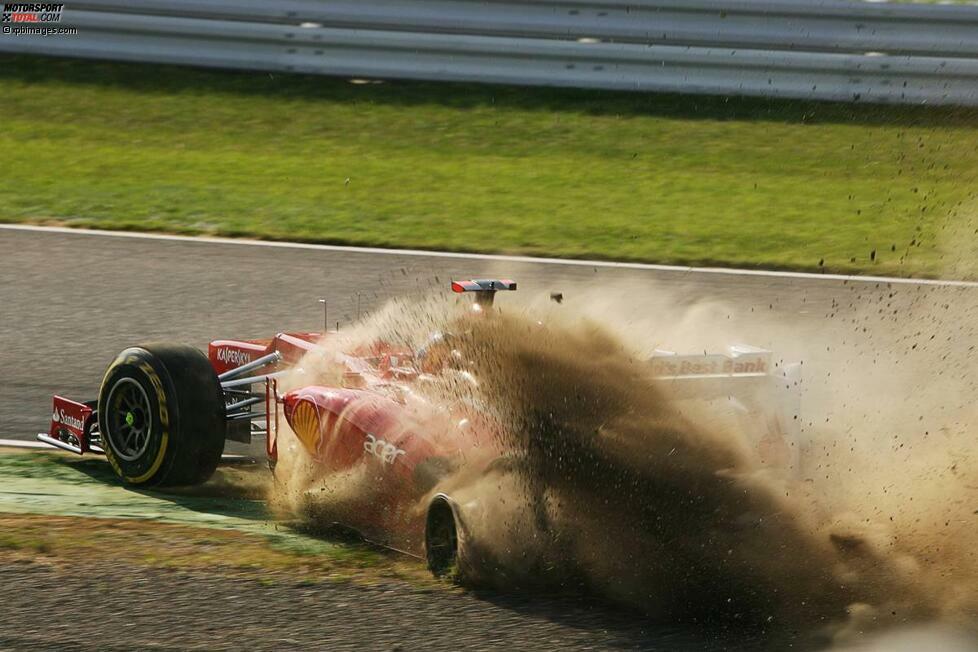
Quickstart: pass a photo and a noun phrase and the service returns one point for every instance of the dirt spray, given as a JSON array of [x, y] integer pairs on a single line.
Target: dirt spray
[[607, 484]]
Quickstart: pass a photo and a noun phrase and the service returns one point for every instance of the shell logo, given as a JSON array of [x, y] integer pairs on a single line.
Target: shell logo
[[306, 425]]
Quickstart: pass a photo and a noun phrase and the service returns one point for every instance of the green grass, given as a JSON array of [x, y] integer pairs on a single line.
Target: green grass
[[637, 177], [54, 503], [24, 542]]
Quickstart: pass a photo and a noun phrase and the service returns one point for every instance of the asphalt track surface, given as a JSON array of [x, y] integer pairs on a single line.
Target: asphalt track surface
[[119, 610], [71, 300]]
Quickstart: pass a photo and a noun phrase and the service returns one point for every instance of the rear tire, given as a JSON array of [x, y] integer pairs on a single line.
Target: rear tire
[[441, 539], [161, 416]]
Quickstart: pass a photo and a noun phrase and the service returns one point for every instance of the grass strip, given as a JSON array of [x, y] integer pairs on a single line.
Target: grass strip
[[550, 172]]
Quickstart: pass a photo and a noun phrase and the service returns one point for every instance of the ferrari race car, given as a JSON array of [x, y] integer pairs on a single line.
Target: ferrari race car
[[164, 412]]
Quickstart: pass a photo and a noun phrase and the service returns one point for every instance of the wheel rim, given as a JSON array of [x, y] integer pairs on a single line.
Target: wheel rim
[[129, 419]]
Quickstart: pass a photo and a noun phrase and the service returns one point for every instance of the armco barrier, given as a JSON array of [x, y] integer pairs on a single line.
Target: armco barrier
[[833, 50]]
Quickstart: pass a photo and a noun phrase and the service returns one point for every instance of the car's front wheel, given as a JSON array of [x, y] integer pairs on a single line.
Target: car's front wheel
[[161, 416]]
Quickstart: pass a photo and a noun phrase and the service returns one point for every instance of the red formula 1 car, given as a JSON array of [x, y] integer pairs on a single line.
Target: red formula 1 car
[[165, 411]]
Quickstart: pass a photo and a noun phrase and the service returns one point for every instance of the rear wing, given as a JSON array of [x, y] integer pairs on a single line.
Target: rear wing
[[720, 374], [485, 289], [742, 361], [765, 391]]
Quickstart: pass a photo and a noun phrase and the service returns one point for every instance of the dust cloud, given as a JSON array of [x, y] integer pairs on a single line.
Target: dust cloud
[[604, 482]]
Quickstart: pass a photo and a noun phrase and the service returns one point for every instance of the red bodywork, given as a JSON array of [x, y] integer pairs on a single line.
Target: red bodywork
[[370, 425], [72, 423], [229, 354], [373, 423]]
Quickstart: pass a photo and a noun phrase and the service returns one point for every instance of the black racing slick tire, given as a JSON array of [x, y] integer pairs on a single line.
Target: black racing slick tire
[[442, 539], [161, 416]]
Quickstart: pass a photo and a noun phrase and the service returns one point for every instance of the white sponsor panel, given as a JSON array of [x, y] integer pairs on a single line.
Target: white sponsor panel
[[743, 360]]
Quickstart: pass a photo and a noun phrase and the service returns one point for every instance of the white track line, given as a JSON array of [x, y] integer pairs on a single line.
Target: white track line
[[17, 443], [488, 257], [20, 443]]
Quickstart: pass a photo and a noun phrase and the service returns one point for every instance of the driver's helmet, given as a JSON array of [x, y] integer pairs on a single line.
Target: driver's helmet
[[437, 353]]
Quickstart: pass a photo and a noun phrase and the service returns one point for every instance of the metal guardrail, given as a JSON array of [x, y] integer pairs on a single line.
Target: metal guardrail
[[817, 49]]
